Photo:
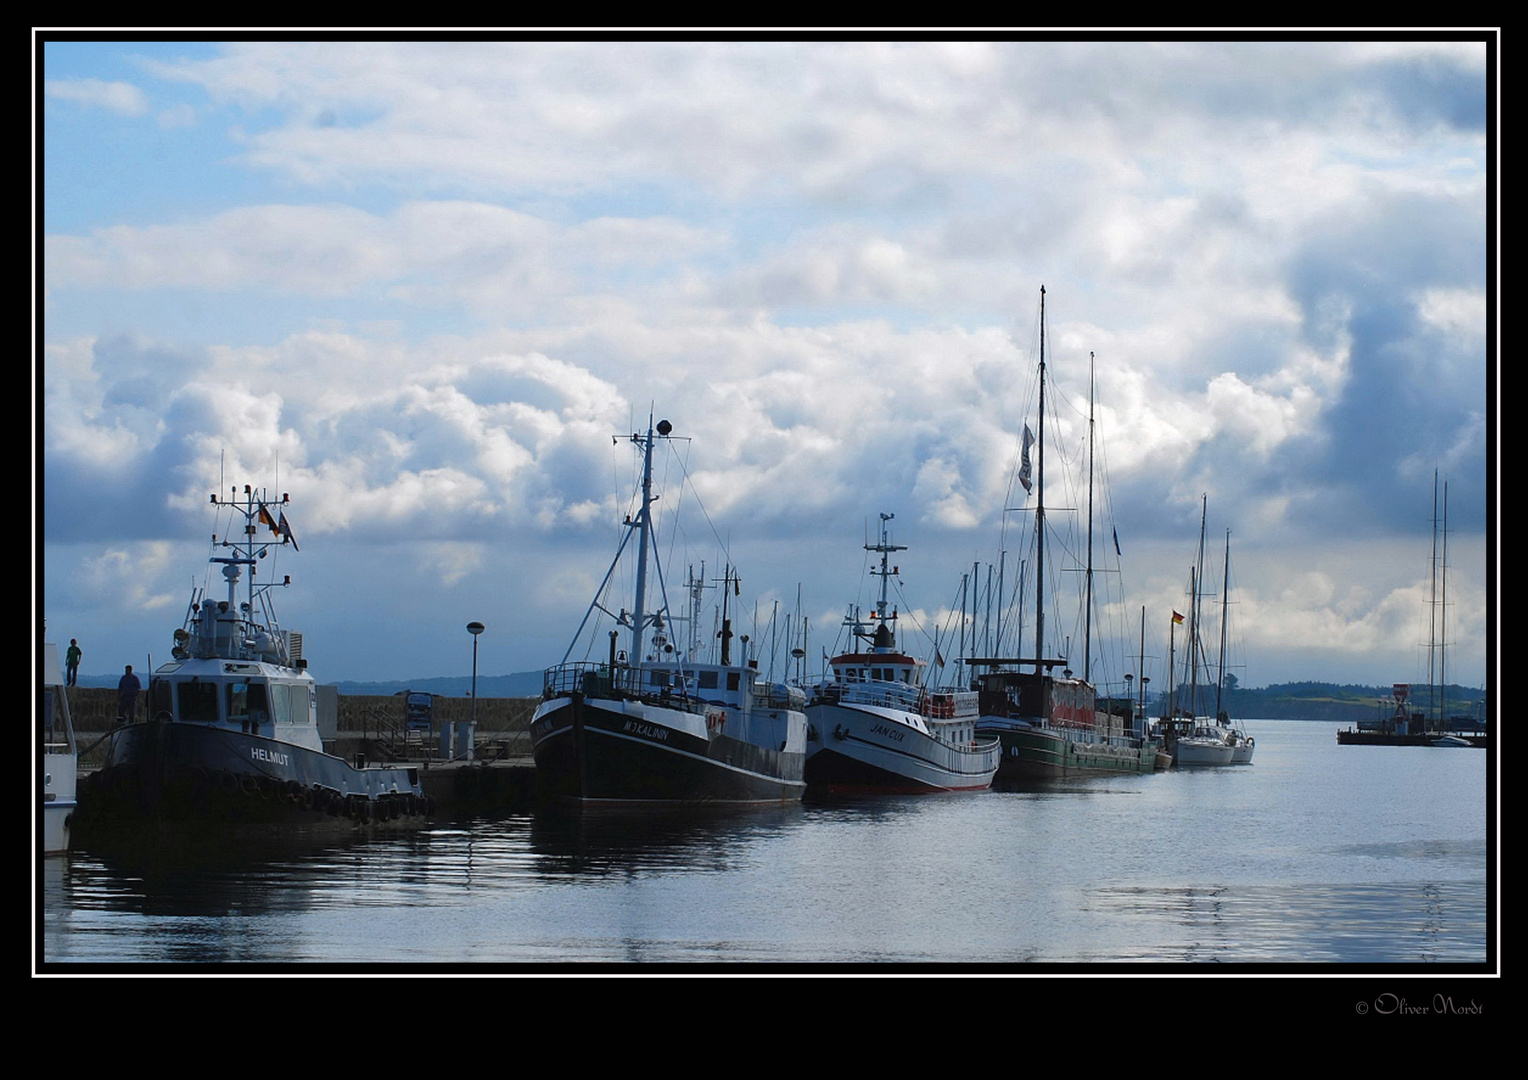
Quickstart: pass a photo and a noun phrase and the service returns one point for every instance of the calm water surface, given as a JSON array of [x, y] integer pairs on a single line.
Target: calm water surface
[[1317, 854]]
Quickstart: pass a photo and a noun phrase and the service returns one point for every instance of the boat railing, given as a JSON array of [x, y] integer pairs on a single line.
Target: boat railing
[[623, 681], [951, 704], [890, 695], [593, 680]]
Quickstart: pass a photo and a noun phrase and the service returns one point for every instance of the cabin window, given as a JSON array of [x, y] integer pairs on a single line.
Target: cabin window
[[658, 678], [708, 680], [198, 702], [281, 703], [302, 704], [248, 701], [733, 680]]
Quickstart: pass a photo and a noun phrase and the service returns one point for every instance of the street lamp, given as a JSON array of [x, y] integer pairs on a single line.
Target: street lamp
[[474, 628]]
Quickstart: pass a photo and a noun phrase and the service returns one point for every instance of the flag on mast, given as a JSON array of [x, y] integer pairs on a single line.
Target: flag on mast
[[264, 517], [286, 533], [1177, 619], [1024, 459]]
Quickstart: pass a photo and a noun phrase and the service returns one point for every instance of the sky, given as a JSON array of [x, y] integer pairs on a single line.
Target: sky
[[429, 289]]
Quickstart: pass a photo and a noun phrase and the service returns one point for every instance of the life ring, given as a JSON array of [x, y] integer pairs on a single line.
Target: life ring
[[717, 720]]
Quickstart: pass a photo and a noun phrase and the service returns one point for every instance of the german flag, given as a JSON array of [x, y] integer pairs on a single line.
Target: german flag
[[269, 522]]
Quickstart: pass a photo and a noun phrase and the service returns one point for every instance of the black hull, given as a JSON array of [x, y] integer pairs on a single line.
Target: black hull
[[170, 774], [588, 754]]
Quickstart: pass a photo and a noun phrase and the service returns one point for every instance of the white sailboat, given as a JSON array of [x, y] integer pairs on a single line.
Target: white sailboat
[[1198, 740]]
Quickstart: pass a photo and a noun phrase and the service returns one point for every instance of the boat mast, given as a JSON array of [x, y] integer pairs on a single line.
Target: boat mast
[[1432, 607], [1142, 668], [638, 615], [1040, 511], [1225, 593], [1087, 619], [885, 572], [1195, 604], [1443, 618]]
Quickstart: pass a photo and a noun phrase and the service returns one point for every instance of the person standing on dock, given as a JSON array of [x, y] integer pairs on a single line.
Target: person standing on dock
[[127, 696], [72, 662]]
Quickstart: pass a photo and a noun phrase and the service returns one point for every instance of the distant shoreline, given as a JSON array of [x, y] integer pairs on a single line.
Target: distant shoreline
[[1283, 701]]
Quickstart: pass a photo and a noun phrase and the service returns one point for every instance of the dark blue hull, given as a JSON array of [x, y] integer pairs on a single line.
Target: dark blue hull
[[163, 773], [591, 754]]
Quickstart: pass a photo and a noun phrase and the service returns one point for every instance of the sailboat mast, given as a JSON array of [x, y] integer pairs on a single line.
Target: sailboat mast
[[1142, 668], [1443, 618], [1196, 605], [1225, 593], [1040, 511], [1432, 607], [1087, 619]]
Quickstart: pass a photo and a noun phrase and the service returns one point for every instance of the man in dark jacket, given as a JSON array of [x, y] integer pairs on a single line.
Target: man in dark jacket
[[127, 696]]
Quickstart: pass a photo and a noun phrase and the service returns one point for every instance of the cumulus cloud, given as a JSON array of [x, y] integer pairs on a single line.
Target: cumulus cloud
[[452, 275], [118, 97]]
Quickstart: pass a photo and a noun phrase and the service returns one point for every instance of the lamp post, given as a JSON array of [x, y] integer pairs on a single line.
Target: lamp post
[[474, 628]]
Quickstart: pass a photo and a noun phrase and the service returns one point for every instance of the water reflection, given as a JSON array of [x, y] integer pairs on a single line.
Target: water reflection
[[594, 841]]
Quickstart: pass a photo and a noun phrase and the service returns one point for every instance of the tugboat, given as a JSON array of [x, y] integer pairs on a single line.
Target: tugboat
[[232, 736], [655, 726], [875, 728]]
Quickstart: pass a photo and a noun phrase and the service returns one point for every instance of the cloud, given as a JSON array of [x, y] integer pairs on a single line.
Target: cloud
[[428, 288], [122, 98]]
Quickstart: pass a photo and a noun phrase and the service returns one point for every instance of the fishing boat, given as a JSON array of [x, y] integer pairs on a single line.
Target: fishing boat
[[1050, 725], [232, 737], [652, 724], [874, 727], [59, 760]]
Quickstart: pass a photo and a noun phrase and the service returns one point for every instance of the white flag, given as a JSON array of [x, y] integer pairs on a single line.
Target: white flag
[[1024, 460]]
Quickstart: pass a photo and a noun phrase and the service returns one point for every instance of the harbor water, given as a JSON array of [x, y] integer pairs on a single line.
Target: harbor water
[[1315, 855]]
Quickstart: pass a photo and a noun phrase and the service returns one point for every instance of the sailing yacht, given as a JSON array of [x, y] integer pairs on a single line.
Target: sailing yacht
[[1050, 725], [1197, 740]]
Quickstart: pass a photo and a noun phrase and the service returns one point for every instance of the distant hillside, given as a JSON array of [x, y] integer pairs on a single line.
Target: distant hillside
[[1283, 701], [520, 684], [1342, 703]]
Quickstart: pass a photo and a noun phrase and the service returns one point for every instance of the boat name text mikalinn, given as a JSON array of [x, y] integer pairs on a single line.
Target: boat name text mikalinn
[[647, 731]]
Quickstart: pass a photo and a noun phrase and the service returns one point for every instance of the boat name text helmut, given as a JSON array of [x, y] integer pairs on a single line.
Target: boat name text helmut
[[261, 754], [647, 731], [891, 733]]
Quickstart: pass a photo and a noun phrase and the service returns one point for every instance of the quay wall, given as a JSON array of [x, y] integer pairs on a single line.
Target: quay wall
[[95, 708]]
